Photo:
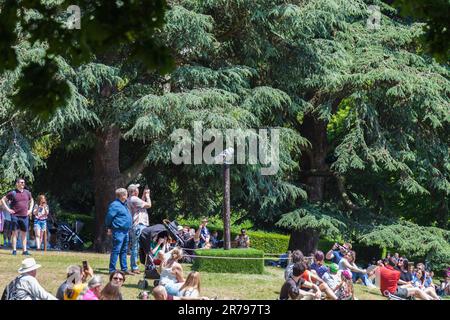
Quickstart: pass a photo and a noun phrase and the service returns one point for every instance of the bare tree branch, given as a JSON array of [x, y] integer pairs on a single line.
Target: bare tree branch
[[343, 192], [132, 172]]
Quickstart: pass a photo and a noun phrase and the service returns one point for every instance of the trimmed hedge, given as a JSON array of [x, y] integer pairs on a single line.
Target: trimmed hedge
[[221, 265], [267, 242]]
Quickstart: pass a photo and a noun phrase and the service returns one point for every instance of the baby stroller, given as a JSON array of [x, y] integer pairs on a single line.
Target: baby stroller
[[145, 257], [66, 238], [174, 233]]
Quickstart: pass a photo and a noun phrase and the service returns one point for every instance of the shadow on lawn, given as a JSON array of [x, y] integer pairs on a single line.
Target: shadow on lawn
[[101, 271]]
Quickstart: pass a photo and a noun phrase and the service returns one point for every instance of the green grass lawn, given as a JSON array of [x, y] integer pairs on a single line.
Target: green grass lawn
[[224, 286]]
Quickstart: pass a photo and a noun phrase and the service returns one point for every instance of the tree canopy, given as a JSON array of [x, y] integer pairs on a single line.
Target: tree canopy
[[75, 33], [363, 112]]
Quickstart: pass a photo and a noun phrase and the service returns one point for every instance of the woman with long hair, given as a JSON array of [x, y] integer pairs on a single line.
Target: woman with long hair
[[419, 282], [191, 287], [111, 292], [40, 213], [171, 272]]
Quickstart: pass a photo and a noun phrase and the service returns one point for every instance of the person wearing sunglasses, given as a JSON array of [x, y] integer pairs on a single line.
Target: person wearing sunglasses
[[117, 278], [406, 277], [20, 207]]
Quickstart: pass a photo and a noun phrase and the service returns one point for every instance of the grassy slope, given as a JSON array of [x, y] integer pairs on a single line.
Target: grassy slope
[[225, 286]]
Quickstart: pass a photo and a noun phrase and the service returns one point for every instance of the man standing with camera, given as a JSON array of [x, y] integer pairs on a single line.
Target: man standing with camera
[[138, 208], [21, 204]]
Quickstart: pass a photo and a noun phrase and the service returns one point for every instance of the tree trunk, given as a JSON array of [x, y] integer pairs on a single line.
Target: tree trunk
[[316, 132], [442, 212], [305, 240], [107, 179]]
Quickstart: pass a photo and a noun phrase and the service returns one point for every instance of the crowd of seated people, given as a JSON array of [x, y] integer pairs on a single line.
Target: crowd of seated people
[[305, 278], [398, 280], [395, 276], [345, 258], [202, 238], [80, 284], [326, 282]]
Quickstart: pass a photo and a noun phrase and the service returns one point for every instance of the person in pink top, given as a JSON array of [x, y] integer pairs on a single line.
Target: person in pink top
[[40, 212], [94, 289]]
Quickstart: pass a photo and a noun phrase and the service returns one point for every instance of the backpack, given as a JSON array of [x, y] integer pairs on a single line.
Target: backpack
[[10, 292]]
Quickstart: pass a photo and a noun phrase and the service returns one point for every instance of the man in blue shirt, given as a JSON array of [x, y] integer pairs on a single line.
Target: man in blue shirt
[[204, 233], [118, 221], [337, 252]]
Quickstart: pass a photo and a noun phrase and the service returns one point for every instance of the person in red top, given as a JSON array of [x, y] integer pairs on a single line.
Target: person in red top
[[20, 205], [389, 282]]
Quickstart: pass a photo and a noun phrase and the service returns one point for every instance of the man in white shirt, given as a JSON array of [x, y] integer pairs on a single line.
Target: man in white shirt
[[26, 286], [138, 208]]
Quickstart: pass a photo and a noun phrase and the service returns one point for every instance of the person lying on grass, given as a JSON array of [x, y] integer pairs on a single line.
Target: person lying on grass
[[160, 293], [171, 271], [292, 288]]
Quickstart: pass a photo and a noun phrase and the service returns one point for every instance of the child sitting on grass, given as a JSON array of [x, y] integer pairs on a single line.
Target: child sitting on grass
[[344, 290]]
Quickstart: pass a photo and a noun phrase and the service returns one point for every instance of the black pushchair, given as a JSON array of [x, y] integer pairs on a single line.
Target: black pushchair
[[66, 237], [168, 229]]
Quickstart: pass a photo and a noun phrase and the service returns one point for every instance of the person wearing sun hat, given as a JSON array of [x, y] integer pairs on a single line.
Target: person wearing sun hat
[[334, 268], [26, 286]]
